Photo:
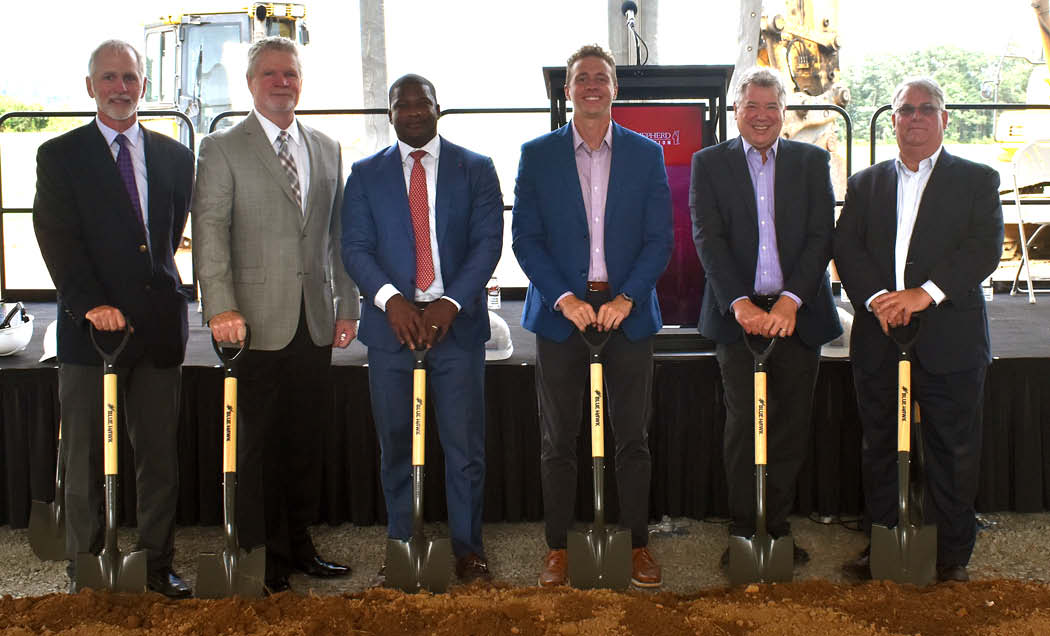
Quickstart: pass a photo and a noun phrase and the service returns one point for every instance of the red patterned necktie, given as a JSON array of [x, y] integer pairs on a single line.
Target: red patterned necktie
[[417, 204]]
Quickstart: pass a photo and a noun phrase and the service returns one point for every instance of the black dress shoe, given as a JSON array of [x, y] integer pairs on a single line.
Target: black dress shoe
[[169, 584], [320, 568], [956, 573], [859, 569], [276, 584], [800, 556], [471, 567]]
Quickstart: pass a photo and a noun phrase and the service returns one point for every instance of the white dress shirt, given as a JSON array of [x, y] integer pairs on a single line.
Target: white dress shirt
[[430, 166], [137, 147], [910, 187], [297, 148]]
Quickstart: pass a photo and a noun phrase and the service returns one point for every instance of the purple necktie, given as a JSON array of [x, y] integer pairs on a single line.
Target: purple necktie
[[127, 174]]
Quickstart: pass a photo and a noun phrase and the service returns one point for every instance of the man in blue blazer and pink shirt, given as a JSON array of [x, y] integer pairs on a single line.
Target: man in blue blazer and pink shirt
[[592, 230], [422, 233]]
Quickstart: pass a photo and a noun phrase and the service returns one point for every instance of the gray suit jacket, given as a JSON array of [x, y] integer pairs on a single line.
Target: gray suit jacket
[[254, 251]]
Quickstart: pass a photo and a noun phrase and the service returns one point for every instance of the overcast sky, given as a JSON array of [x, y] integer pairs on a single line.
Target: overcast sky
[[481, 52]]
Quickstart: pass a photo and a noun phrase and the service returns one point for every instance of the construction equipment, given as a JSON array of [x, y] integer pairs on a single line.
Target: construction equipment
[[418, 564], [233, 571], [599, 556], [760, 558], [47, 520], [110, 570], [196, 62], [908, 552]]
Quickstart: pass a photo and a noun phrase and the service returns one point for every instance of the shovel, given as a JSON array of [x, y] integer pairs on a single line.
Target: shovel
[[233, 571], [418, 563], [908, 552], [110, 570], [598, 556], [760, 558], [47, 521]]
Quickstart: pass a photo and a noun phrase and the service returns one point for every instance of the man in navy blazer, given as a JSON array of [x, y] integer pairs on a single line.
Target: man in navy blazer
[[918, 234], [110, 207], [592, 231], [422, 233], [763, 214]]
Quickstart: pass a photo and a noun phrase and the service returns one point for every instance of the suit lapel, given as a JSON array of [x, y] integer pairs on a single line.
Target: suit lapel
[[450, 165], [392, 176], [785, 180], [313, 151], [99, 160], [931, 203], [256, 138], [619, 166], [567, 167], [742, 178]]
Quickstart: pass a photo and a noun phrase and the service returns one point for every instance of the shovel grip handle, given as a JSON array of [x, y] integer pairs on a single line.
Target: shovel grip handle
[[109, 422], [419, 415], [904, 399], [761, 412], [229, 425], [597, 414]]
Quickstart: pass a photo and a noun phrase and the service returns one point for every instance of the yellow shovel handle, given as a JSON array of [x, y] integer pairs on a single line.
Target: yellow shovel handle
[[419, 414], [904, 406], [229, 426], [109, 422], [760, 418], [597, 400]]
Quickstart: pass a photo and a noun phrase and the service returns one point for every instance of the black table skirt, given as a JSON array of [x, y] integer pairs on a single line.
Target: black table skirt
[[686, 441]]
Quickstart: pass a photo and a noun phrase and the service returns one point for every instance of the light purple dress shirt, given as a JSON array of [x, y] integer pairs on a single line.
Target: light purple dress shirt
[[769, 277], [593, 166]]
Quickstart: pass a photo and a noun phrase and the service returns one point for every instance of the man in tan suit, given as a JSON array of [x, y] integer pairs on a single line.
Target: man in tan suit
[[266, 251]]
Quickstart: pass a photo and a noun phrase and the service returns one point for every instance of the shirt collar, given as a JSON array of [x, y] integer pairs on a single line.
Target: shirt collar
[[134, 134], [577, 140], [926, 165], [432, 148], [272, 130], [748, 147]]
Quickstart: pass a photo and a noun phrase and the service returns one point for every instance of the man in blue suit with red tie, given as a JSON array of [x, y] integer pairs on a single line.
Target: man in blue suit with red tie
[[592, 230], [422, 233]]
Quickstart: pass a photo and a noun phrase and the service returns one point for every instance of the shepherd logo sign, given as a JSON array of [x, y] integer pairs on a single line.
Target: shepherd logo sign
[[664, 137]]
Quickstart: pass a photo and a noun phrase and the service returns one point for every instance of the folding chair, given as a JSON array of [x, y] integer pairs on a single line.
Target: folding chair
[[1031, 166]]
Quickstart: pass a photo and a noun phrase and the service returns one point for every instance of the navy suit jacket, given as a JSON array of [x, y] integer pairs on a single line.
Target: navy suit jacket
[[551, 238], [379, 244], [95, 248], [725, 230], [956, 243]]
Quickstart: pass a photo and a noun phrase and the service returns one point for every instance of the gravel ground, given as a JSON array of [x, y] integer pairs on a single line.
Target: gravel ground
[[1010, 545]]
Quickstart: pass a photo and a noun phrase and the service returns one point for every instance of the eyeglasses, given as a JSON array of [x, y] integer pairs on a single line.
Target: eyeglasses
[[926, 110]]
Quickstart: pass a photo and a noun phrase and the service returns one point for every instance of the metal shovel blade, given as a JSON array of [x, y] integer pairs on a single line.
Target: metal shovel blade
[[760, 559], [419, 564], [240, 573], [599, 558], [905, 554], [47, 530], [112, 571]]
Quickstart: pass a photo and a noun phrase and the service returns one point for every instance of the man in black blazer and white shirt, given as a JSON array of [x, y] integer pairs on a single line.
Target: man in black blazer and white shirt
[[919, 233], [111, 203]]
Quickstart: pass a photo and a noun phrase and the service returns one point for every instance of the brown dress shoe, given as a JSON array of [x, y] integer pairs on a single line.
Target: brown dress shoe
[[471, 567], [645, 571], [555, 568]]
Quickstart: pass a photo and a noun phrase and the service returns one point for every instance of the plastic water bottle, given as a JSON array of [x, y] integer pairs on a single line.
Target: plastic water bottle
[[492, 289]]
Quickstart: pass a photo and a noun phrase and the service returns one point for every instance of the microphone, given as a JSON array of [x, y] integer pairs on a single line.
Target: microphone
[[630, 10]]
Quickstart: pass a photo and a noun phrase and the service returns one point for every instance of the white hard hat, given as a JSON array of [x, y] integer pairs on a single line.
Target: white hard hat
[[499, 346], [16, 328], [839, 347], [50, 342]]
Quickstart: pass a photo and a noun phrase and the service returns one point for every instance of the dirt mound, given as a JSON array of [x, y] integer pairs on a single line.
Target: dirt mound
[[998, 607]]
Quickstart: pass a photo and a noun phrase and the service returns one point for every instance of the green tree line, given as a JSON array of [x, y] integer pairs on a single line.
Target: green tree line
[[958, 71], [31, 124]]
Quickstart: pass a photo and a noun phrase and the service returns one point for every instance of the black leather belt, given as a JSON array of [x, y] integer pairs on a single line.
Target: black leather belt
[[764, 301]]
